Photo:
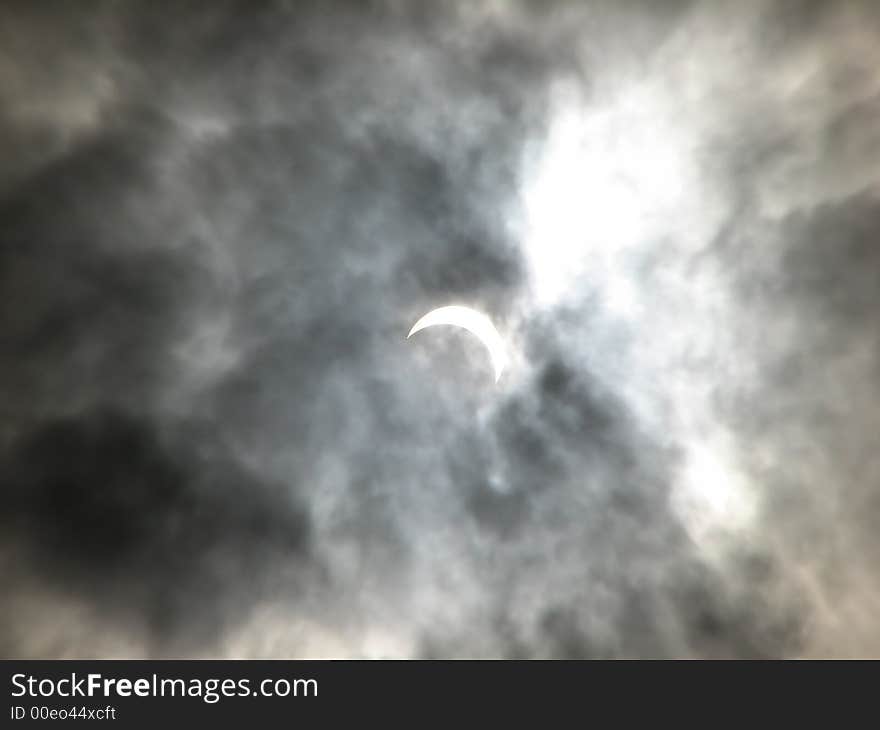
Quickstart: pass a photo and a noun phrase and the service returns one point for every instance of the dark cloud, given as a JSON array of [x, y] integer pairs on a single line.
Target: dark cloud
[[101, 505], [218, 225]]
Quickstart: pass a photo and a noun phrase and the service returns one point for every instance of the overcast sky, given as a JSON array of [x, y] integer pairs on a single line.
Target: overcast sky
[[218, 224]]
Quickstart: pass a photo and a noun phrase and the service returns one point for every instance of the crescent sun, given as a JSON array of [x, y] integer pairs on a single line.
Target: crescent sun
[[475, 323]]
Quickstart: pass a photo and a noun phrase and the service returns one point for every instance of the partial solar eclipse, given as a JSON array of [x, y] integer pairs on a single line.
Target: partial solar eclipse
[[474, 322]]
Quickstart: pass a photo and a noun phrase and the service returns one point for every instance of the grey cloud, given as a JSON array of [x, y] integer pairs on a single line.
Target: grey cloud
[[817, 303]]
